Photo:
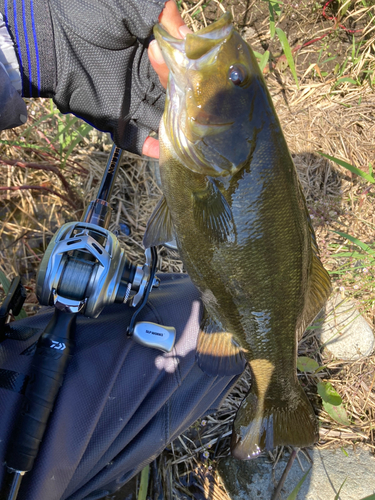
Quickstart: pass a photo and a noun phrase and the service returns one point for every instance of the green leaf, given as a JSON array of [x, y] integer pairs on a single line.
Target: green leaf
[[4, 281], [338, 413], [355, 255], [328, 394], [66, 132], [36, 123], [25, 145], [274, 8], [346, 79], [337, 496], [350, 167], [344, 8], [288, 53], [305, 364], [294, 493], [371, 497], [357, 242], [142, 493], [264, 60], [82, 131], [344, 451], [329, 59]]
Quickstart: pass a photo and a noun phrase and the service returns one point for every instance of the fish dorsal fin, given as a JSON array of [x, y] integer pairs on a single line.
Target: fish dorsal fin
[[159, 228], [217, 351], [319, 287], [319, 283], [318, 292], [212, 213]]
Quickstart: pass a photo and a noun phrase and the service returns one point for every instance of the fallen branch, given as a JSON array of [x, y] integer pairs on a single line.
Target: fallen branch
[[40, 188], [288, 466], [38, 166]]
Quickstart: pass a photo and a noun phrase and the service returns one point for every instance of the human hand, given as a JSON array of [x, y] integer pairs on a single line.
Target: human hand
[[91, 58]]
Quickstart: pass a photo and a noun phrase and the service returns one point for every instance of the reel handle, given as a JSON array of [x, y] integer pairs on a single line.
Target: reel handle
[[48, 369]]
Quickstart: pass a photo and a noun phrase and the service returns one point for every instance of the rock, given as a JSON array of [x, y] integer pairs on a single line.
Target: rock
[[252, 480], [344, 331], [248, 33]]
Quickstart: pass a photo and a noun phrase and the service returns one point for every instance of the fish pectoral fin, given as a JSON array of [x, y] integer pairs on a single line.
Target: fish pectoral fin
[[212, 213], [159, 228], [264, 423], [217, 351]]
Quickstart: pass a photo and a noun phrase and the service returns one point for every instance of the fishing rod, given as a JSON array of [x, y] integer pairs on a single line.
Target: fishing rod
[[83, 270]]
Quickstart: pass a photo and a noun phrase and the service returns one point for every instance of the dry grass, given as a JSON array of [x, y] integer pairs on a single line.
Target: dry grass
[[339, 121]]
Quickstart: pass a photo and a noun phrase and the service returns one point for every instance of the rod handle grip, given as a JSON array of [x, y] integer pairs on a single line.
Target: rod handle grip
[[47, 374]]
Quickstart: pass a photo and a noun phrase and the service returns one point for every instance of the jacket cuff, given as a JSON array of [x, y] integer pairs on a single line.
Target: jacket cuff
[[30, 26], [12, 108], [8, 57]]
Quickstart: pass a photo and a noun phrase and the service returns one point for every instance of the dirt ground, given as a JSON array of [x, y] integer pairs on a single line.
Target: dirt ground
[[328, 114]]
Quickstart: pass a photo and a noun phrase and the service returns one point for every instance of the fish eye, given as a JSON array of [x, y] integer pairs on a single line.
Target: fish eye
[[237, 74]]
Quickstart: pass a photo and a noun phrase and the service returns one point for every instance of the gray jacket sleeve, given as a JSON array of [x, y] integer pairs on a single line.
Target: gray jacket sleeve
[[90, 56], [12, 107]]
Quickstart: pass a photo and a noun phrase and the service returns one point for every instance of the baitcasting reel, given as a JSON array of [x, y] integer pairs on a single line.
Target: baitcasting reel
[[84, 269]]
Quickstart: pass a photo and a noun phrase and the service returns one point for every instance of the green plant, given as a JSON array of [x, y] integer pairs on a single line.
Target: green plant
[[295, 491], [332, 402], [274, 8], [142, 493], [70, 132], [337, 496], [288, 53], [368, 177]]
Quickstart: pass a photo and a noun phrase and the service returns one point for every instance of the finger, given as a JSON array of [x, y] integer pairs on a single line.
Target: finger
[[151, 147], [157, 62], [172, 21], [174, 24]]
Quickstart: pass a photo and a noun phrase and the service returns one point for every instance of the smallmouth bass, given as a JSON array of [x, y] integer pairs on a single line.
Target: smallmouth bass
[[233, 201]]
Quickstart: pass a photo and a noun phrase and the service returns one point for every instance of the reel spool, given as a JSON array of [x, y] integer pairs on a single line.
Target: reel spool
[[84, 269]]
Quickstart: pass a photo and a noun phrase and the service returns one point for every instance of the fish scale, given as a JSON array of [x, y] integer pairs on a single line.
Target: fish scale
[[232, 200]]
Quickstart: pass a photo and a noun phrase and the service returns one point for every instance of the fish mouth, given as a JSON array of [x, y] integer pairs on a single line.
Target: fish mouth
[[193, 51], [203, 121], [197, 130], [185, 57]]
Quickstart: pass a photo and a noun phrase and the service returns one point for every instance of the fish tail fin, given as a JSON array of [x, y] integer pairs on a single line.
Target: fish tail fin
[[260, 425]]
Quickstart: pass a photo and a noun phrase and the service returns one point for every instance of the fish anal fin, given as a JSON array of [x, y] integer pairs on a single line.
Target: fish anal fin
[[217, 351], [262, 425], [159, 228], [212, 213]]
